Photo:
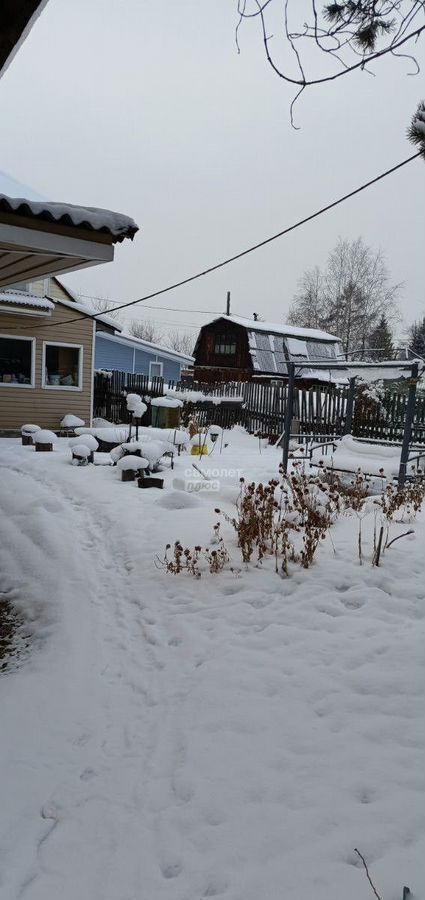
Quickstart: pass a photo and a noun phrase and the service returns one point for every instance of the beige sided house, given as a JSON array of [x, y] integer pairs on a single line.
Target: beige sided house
[[46, 347]]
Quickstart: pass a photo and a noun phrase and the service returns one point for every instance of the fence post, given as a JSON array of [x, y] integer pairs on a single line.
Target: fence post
[[288, 416], [348, 422], [410, 411]]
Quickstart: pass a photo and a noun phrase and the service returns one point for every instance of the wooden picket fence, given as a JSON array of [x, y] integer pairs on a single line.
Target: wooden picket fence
[[259, 407]]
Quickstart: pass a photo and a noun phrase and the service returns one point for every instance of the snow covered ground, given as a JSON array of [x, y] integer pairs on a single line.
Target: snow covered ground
[[231, 736]]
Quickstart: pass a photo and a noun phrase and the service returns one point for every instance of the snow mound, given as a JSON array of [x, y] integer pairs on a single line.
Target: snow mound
[[132, 462], [81, 450], [85, 440], [178, 500], [43, 436], [102, 459], [170, 402], [30, 429], [102, 423], [70, 421]]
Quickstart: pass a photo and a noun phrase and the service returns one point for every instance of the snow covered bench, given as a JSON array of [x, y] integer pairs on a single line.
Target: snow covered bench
[[350, 455]]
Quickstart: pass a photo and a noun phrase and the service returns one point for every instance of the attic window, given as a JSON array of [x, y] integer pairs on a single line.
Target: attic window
[[23, 287], [225, 345]]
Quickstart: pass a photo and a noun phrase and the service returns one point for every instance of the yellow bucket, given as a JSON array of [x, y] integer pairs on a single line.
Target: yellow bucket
[[199, 450]]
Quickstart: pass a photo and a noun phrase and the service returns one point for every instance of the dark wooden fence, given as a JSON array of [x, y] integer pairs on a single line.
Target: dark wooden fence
[[318, 411]]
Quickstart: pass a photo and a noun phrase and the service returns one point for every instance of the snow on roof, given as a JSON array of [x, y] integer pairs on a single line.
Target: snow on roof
[[88, 217], [277, 328], [18, 298], [125, 337], [89, 311]]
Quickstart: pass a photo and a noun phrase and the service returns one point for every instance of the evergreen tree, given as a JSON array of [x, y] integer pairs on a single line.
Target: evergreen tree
[[417, 338], [381, 345]]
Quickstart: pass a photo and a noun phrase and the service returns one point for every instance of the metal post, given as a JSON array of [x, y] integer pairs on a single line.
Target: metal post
[[410, 412], [348, 422], [288, 415]]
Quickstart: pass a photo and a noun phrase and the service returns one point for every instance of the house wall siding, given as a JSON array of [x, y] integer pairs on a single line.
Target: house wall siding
[[112, 355], [43, 406]]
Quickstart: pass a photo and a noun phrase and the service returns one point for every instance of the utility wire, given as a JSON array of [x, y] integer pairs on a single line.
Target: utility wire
[[251, 249]]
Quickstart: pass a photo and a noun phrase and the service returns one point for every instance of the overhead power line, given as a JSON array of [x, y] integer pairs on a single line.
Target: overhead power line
[[252, 249]]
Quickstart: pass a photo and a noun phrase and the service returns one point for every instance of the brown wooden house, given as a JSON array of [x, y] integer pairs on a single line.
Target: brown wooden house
[[232, 348]]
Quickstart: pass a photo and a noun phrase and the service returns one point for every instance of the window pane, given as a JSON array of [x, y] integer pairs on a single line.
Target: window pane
[[15, 361], [22, 286], [156, 369], [225, 345], [62, 365]]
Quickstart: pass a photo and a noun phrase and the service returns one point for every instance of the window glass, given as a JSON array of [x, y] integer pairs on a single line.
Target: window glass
[[225, 345], [62, 366], [155, 369], [15, 361], [22, 286]]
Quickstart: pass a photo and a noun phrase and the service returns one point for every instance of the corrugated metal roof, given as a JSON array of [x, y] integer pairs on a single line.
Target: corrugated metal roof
[[16, 298], [272, 345], [85, 217], [278, 328]]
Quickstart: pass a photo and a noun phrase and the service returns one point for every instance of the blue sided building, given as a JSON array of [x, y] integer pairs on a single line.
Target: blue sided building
[[118, 351]]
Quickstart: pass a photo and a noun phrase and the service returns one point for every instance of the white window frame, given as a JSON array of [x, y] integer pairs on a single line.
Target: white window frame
[[156, 362], [62, 387], [14, 384]]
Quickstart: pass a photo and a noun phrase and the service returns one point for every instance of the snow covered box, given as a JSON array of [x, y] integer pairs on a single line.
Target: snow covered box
[[44, 440], [166, 412], [130, 466], [27, 433]]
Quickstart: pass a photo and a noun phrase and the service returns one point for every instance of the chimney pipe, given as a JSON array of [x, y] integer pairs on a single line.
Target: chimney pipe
[[228, 304]]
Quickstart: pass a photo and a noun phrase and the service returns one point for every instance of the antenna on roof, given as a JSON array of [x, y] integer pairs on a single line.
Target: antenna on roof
[[228, 304]]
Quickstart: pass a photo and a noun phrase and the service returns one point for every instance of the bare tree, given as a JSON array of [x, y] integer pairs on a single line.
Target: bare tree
[[102, 305], [182, 341], [308, 303], [146, 330], [349, 35], [350, 297]]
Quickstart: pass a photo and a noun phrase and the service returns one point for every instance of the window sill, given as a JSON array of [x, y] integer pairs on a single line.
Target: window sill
[[15, 384], [61, 387]]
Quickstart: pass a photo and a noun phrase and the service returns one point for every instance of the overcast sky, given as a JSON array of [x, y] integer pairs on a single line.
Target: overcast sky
[[146, 108]]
